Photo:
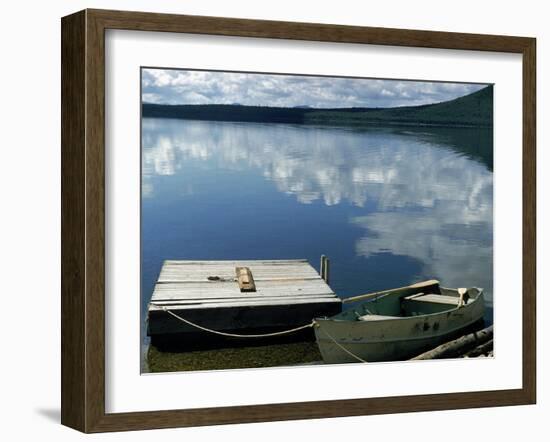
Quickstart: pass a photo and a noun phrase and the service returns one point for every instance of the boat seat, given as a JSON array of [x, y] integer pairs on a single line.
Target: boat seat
[[374, 317], [437, 299]]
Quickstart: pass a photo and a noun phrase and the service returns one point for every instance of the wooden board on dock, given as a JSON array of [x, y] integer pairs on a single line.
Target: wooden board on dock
[[287, 293]]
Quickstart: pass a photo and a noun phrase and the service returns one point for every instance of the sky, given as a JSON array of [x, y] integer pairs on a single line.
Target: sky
[[173, 86]]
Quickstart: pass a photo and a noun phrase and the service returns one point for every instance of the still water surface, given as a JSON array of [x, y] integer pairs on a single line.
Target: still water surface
[[388, 206]]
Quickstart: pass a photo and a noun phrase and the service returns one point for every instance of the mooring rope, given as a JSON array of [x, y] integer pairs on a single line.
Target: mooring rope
[[235, 335], [342, 347], [263, 335]]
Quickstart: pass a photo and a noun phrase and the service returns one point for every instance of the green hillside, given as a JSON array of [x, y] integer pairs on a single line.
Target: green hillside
[[471, 110]]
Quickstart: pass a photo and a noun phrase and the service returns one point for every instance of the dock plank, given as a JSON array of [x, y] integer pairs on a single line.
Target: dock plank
[[266, 300], [231, 289], [241, 303], [179, 272], [235, 263]]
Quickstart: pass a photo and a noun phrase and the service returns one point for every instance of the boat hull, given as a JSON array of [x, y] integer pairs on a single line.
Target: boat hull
[[393, 339]]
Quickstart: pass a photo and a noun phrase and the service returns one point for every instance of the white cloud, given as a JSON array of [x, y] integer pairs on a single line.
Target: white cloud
[[172, 86]]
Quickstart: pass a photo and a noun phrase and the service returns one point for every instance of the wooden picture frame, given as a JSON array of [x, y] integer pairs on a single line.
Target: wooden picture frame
[[83, 220]]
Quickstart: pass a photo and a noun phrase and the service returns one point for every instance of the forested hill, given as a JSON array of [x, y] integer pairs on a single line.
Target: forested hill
[[473, 110]]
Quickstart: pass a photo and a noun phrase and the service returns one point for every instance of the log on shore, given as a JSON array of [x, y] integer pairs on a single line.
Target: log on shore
[[485, 349], [460, 346]]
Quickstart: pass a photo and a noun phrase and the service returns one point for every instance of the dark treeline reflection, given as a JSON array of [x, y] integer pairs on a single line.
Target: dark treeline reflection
[[476, 143]]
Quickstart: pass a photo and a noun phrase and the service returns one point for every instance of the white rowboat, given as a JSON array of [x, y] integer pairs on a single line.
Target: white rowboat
[[397, 324]]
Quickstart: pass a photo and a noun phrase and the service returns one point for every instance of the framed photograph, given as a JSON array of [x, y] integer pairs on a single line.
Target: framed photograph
[[269, 220]]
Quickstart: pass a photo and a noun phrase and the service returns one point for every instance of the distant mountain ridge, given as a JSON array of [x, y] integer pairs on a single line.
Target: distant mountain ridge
[[473, 110]]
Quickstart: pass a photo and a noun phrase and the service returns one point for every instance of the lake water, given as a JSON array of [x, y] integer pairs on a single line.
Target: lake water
[[388, 205]]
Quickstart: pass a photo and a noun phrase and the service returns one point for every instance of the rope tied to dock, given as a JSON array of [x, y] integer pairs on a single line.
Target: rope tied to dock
[[342, 347], [235, 335], [313, 323]]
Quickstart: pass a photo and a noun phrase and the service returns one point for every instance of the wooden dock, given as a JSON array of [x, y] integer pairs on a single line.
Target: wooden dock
[[237, 296]]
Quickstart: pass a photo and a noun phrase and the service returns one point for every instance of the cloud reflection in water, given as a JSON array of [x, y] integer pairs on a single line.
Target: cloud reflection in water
[[418, 193]]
